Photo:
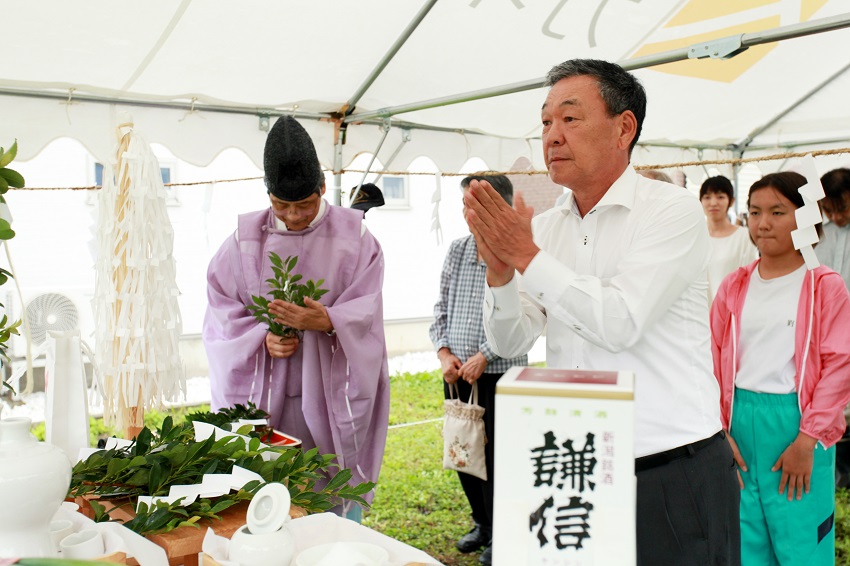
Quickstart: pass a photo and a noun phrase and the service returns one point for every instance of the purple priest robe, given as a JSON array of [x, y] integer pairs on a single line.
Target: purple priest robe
[[333, 393]]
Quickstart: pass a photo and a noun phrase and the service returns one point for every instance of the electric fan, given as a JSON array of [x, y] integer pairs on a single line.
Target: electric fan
[[50, 311]]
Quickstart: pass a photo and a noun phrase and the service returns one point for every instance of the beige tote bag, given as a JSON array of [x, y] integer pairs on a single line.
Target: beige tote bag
[[463, 434]]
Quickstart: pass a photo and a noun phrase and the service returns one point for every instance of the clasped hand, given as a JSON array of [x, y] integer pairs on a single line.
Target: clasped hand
[[312, 316], [502, 234], [453, 369]]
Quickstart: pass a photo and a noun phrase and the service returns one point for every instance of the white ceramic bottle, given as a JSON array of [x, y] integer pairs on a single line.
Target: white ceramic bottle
[[34, 480], [265, 539]]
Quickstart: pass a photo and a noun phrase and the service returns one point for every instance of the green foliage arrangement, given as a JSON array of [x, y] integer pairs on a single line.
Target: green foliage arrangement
[[171, 456], [285, 286], [8, 178]]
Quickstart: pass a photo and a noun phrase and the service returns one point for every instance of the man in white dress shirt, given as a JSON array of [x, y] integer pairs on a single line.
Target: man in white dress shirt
[[617, 277]]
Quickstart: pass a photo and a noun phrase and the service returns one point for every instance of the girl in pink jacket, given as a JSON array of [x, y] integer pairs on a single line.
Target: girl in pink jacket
[[781, 348]]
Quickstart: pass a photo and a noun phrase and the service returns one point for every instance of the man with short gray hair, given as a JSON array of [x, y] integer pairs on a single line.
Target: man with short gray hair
[[617, 277]]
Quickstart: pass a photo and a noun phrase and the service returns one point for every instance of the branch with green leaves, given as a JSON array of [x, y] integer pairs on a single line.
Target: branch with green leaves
[[171, 456], [284, 286]]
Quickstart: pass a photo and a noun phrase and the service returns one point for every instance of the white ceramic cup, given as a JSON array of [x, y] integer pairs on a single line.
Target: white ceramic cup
[[83, 545], [59, 529]]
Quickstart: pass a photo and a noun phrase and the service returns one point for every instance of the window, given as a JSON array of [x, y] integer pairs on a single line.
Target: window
[[395, 190]]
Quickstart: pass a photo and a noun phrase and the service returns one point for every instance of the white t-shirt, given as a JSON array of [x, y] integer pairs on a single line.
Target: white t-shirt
[[728, 254], [766, 346]]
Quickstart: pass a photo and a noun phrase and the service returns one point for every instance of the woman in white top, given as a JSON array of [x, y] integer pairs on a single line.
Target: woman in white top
[[731, 246]]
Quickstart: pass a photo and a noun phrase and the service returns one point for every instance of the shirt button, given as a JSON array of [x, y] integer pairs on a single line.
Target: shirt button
[[539, 295]]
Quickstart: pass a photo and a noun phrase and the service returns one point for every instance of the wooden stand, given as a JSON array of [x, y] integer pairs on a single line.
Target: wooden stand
[[182, 545]]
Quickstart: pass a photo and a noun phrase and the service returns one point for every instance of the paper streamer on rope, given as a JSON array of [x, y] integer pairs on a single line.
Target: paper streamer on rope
[[808, 215], [137, 317], [435, 214]]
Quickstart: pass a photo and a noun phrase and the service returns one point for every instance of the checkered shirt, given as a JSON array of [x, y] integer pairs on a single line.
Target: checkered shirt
[[458, 314]]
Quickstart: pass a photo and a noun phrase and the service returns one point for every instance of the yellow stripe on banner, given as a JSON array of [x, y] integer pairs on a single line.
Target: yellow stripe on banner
[[714, 69], [701, 10], [809, 7], [559, 392]]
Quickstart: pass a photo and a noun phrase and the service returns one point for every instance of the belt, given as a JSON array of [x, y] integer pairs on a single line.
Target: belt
[[688, 450]]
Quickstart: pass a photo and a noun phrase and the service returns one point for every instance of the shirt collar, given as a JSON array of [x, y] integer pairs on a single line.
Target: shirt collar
[[470, 251], [281, 225], [621, 193]]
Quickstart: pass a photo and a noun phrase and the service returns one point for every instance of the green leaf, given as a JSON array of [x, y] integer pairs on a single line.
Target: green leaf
[[222, 505], [275, 259], [116, 465], [291, 263], [339, 480], [14, 178], [155, 479], [9, 156]]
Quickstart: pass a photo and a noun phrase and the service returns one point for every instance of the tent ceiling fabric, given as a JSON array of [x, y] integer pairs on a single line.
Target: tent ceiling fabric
[[312, 55]]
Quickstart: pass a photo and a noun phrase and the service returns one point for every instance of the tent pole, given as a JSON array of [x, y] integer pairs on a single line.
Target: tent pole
[[353, 196], [391, 52], [405, 137], [339, 134], [694, 51], [736, 169], [752, 135]]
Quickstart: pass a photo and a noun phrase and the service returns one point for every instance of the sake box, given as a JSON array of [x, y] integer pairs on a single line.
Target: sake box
[[564, 459]]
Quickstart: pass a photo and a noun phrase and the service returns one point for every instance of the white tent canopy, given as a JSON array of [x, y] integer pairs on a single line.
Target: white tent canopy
[[200, 76]]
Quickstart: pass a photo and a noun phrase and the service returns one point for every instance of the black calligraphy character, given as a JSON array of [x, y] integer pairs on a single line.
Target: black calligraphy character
[[545, 463], [577, 465], [571, 524], [539, 516]]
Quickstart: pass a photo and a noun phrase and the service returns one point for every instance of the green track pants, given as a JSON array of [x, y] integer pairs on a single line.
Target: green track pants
[[775, 531]]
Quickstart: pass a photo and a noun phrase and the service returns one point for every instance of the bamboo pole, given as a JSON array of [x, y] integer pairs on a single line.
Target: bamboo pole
[[132, 412]]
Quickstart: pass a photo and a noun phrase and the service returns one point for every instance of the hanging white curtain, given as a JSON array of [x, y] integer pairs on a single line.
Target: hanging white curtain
[[136, 312]]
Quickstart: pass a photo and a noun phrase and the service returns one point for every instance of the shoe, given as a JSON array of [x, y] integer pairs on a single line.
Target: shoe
[[478, 537], [486, 557]]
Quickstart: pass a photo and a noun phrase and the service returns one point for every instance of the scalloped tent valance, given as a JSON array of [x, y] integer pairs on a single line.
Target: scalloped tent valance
[[198, 77]]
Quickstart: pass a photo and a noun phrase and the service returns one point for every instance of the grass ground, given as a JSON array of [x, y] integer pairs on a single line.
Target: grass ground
[[417, 501]]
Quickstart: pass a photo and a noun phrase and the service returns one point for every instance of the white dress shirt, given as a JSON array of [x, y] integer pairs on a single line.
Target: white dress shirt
[[624, 288]]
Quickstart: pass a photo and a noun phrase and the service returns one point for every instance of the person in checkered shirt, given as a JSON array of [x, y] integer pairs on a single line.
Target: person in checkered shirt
[[466, 358]]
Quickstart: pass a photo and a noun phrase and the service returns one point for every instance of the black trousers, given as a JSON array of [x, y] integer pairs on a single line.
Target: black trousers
[[478, 492], [688, 511]]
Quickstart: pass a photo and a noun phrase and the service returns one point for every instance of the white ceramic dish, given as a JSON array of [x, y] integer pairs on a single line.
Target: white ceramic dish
[[343, 554]]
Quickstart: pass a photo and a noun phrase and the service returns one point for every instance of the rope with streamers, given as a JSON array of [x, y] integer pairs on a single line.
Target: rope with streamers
[[677, 165]]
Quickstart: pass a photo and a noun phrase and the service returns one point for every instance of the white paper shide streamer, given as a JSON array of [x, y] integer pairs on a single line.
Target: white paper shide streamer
[[136, 312], [808, 215]]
